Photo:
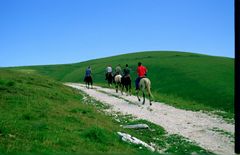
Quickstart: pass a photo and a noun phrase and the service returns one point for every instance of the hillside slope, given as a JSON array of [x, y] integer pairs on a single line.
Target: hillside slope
[[41, 115], [185, 80]]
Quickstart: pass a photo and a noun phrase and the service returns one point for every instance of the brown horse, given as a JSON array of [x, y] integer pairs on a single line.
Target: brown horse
[[109, 78], [126, 83], [88, 80], [145, 85]]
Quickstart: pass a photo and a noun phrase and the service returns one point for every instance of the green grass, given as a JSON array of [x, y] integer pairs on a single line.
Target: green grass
[[184, 80], [40, 115]]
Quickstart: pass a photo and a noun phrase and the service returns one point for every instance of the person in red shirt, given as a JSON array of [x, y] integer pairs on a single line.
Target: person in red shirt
[[142, 72]]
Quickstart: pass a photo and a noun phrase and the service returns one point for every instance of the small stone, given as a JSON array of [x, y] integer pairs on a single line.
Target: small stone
[[137, 126]]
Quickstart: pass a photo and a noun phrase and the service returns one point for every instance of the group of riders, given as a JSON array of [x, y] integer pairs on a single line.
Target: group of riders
[[110, 74]]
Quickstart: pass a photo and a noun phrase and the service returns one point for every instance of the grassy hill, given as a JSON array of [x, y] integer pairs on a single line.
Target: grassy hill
[[40, 115], [185, 80]]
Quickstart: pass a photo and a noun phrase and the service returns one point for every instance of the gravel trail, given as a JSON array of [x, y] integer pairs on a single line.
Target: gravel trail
[[209, 132]]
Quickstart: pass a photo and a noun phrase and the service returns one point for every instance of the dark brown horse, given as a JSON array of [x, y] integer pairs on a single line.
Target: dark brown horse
[[88, 81], [127, 84], [109, 78]]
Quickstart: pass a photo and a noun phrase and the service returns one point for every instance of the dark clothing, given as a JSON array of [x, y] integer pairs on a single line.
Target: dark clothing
[[88, 75], [118, 70], [126, 72], [137, 82], [88, 72]]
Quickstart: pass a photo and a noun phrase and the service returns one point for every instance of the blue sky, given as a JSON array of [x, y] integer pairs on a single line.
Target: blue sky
[[35, 32]]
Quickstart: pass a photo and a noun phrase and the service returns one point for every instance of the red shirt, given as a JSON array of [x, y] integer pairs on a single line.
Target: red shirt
[[141, 70]]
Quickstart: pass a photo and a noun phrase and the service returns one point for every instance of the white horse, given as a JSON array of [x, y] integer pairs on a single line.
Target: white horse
[[145, 85], [118, 83]]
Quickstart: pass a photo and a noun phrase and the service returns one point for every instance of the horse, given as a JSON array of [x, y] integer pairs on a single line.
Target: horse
[[109, 78], [145, 84], [118, 82], [88, 81], [126, 83]]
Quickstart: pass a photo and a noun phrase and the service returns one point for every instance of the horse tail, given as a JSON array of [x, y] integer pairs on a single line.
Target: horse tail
[[148, 86]]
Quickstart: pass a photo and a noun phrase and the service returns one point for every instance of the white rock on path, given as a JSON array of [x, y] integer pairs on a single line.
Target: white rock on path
[[128, 138]]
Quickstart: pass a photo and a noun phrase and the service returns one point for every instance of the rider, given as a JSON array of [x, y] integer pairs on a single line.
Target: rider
[[126, 71], [108, 71], [126, 79], [142, 72], [87, 73], [118, 70]]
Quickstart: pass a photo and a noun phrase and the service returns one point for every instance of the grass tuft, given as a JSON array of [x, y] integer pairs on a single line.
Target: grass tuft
[[97, 134]]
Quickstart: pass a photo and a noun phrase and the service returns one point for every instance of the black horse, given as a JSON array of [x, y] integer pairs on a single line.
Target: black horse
[[88, 80], [127, 84], [109, 78]]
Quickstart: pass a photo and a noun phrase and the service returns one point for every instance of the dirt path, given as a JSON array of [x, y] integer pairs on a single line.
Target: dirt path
[[209, 132]]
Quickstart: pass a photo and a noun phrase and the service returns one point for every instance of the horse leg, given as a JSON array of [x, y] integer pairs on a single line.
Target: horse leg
[[143, 97], [116, 88], [122, 88], [150, 99], [110, 82], [138, 96], [119, 86], [126, 86], [130, 89], [149, 95], [127, 89]]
